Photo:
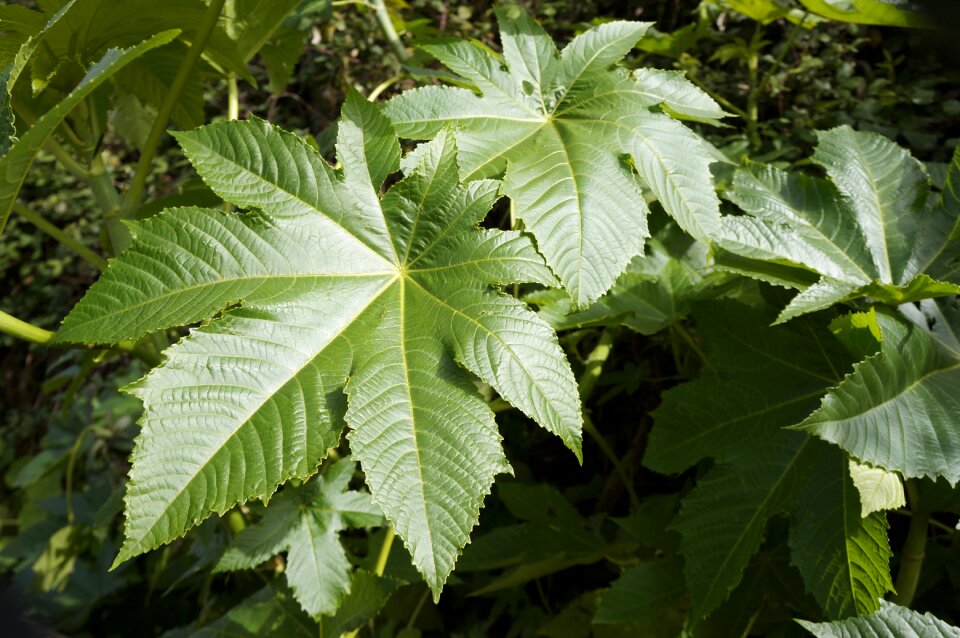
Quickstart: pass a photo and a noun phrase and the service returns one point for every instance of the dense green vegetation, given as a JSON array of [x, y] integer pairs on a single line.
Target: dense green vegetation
[[424, 318]]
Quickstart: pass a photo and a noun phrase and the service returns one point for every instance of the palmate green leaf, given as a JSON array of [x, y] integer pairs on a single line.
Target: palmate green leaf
[[871, 230], [890, 621], [559, 125], [897, 410], [337, 287], [305, 523], [764, 379], [18, 159]]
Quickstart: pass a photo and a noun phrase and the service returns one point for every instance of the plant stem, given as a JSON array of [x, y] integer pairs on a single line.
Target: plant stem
[[791, 38], [71, 464], [28, 332], [91, 257], [101, 185], [384, 552], [383, 86], [914, 549], [724, 102], [132, 198], [378, 570], [588, 383], [416, 610], [594, 364], [592, 430], [690, 341], [753, 96], [22, 330], [233, 97], [383, 17]]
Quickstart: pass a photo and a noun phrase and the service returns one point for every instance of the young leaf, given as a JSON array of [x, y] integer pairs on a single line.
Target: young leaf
[[879, 489], [889, 620], [15, 164], [872, 230], [897, 410], [305, 523], [335, 283], [559, 124], [766, 378]]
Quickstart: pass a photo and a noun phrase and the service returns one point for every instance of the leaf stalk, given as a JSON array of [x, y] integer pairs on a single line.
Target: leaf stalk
[[132, 198], [914, 549], [63, 238]]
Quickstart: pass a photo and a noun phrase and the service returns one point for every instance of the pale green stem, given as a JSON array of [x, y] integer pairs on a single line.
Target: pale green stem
[[588, 383], [753, 96], [22, 330], [28, 332], [384, 552], [132, 198], [71, 464], [416, 610], [379, 569], [233, 113], [791, 38], [690, 341], [91, 257], [101, 185], [724, 102], [914, 549], [383, 17], [233, 98], [383, 86], [594, 364]]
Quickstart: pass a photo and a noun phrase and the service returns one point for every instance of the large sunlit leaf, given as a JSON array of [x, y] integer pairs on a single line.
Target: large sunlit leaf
[[326, 285], [760, 380], [898, 409], [15, 163], [889, 622], [871, 230], [559, 124]]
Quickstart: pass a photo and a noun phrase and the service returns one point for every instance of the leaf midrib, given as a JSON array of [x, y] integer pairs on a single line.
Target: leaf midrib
[[101, 318], [249, 414]]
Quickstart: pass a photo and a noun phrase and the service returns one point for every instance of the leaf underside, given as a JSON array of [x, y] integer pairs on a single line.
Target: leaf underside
[[327, 286], [871, 230], [560, 126]]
